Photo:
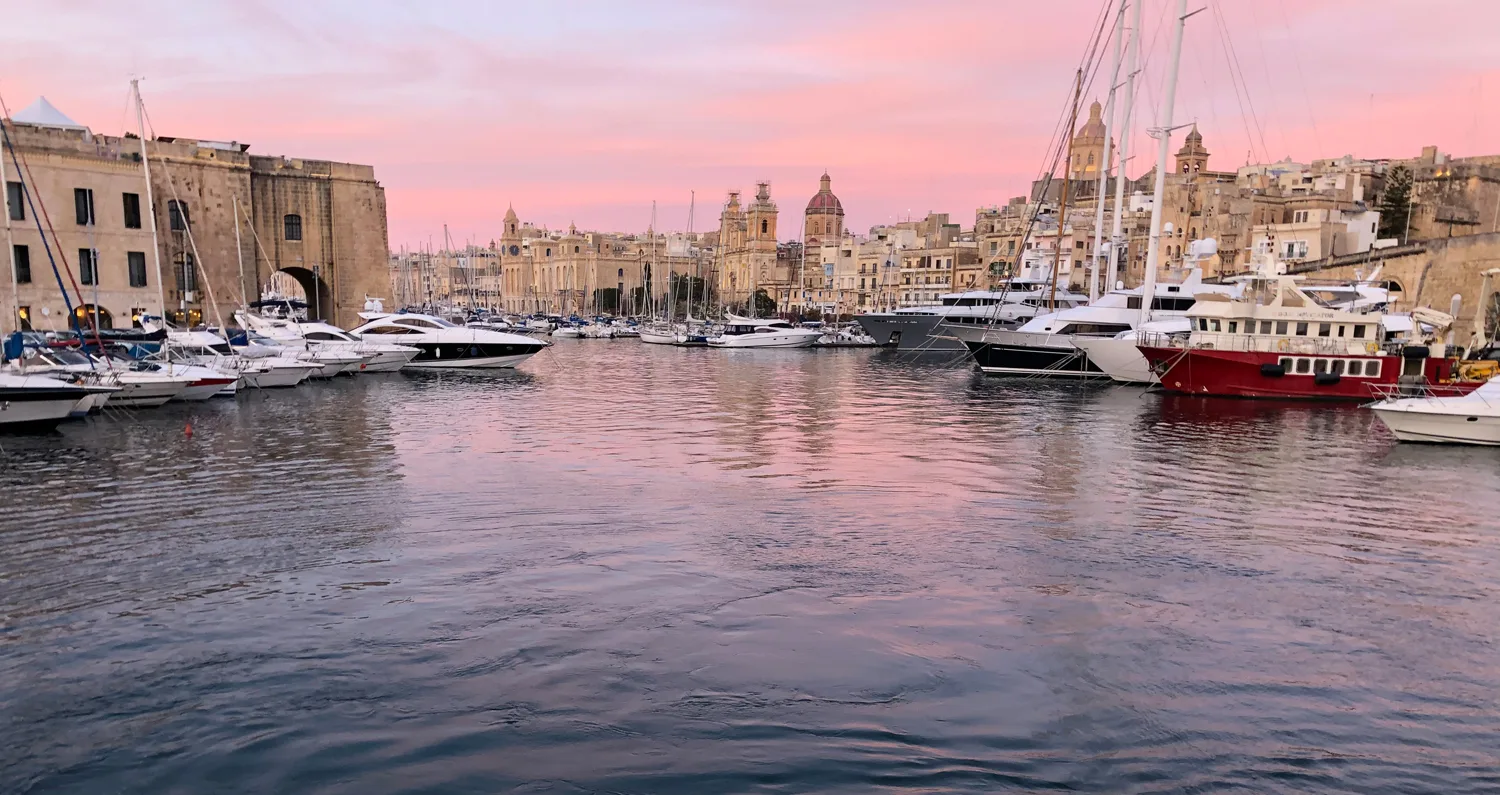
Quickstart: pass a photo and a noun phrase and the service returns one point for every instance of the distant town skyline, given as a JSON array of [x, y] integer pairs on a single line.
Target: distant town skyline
[[586, 112]]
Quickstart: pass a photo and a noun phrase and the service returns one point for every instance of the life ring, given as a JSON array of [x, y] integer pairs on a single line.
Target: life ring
[[1283, 345], [1371, 348]]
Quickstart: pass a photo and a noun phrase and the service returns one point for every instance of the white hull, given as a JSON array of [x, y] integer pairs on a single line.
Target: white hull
[[202, 390], [480, 363], [389, 361], [277, 377], [774, 340], [1120, 359], [35, 412], [1415, 426], [656, 338], [145, 394]]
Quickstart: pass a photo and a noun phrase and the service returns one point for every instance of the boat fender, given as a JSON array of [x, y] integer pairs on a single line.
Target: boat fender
[[1326, 379], [1414, 352], [1272, 370]]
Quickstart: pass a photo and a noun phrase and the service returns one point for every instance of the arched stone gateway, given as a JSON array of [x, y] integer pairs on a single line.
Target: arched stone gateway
[[316, 292]]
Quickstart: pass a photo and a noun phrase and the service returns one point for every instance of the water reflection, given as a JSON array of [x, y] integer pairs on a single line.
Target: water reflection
[[648, 569]]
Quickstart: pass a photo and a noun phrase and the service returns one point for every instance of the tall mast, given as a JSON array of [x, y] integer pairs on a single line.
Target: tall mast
[[239, 253], [10, 247], [692, 204], [140, 122], [1116, 236], [1109, 121], [1062, 210], [1163, 135], [650, 285]]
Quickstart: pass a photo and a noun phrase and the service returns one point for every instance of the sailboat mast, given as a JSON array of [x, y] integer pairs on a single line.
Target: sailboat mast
[[692, 204], [140, 122], [10, 246], [1163, 134], [1116, 235], [1062, 210], [239, 253], [1109, 121]]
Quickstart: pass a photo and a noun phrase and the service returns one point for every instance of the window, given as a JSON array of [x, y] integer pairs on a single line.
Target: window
[[575, 249], [1341, 329], [549, 252], [1216, 326], [292, 226], [132, 203], [1359, 332], [187, 274], [1320, 366], [1286, 364], [1372, 368], [621, 274], [1234, 327], [1356, 367], [178, 218], [1337, 367], [1303, 366], [1265, 327], [1203, 324], [1302, 329], [764, 226], [137, 263], [83, 206], [23, 262], [88, 266], [15, 196], [1281, 328]]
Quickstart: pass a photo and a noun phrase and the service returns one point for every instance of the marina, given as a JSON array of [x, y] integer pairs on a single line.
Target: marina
[[854, 567]]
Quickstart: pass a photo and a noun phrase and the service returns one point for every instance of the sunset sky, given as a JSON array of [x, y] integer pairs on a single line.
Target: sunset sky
[[586, 112]]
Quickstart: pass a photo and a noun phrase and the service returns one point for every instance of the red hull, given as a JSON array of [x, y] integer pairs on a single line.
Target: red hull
[[1240, 374]]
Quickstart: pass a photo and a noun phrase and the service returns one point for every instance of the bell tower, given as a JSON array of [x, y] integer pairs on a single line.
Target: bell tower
[[1192, 157], [762, 216]]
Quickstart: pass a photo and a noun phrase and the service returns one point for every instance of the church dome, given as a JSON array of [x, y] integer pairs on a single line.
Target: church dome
[[1093, 129], [824, 201]]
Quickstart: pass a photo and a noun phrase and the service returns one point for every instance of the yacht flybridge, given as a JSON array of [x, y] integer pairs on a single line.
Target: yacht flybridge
[[441, 344]]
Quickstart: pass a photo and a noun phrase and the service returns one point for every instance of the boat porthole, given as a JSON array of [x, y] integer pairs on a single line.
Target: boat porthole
[[1473, 419]]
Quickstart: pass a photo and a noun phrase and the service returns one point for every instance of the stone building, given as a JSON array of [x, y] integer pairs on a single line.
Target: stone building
[[323, 223], [747, 259]]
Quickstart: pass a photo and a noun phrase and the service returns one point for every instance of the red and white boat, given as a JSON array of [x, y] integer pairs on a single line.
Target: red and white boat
[[1278, 341]]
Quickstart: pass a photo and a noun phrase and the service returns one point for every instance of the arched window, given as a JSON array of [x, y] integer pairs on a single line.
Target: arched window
[[1091, 158], [292, 226], [764, 226], [178, 218], [622, 273], [549, 252], [575, 249]]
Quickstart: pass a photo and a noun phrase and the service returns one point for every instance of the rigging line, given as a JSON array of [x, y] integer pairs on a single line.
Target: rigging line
[[187, 226], [1276, 115], [22, 165], [1301, 80], [1234, 56], [1238, 95]]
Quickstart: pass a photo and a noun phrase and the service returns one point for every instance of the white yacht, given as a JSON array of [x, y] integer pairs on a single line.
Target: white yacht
[[319, 337], [1018, 301], [36, 403], [441, 344], [1473, 418], [746, 332], [1045, 346]]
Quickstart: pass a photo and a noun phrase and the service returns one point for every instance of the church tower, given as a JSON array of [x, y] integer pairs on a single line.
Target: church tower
[[1192, 157], [761, 216], [823, 222], [1088, 147]]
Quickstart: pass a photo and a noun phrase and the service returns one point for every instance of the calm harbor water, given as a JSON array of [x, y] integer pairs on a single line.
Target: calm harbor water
[[636, 569]]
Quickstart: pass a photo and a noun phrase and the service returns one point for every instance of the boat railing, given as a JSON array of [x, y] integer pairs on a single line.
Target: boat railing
[[1244, 343], [1400, 391]]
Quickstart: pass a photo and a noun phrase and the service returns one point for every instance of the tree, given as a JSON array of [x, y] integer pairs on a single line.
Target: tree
[[1395, 203], [765, 305], [607, 299]]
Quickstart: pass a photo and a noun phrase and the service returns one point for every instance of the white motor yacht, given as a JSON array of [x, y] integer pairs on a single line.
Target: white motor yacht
[[441, 344], [1045, 346], [36, 403], [1451, 419], [142, 384], [746, 332], [318, 337]]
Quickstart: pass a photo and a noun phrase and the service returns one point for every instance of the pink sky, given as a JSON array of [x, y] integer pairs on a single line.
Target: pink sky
[[587, 111]]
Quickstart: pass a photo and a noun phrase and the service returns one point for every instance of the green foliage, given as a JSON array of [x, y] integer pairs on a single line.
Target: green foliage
[[607, 300], [765, 305], [1395, 203]]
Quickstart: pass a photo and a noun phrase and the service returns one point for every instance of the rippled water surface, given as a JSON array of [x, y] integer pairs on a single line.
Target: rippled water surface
[[635, 569]]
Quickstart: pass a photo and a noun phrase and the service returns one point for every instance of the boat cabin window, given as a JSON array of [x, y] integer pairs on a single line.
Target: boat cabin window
[[1234, 327], [1324, 329], [1214, 324], [1094, 328], [1281, 328], [1167, 303], [323, 336], [391, 330], [1336, 367], [1320, 365], [1265, 327], [1359, 332], [1302, 329], [1304, 366]]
